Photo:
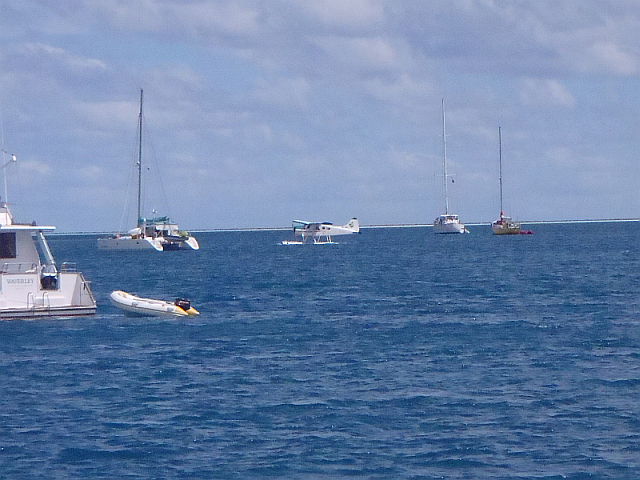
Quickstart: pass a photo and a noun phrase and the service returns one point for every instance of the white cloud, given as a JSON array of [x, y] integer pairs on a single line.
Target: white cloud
[[283, 92], [403, 86], [373, 53], [47, 53], [536, 92], [107, 115], [198, 19], [35, 167], [353, 13], [611, 58]]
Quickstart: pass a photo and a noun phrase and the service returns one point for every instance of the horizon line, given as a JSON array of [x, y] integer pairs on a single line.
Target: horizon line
[[387, 225]]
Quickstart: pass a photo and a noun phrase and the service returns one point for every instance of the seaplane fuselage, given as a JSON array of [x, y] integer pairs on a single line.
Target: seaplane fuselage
[[322, 232]]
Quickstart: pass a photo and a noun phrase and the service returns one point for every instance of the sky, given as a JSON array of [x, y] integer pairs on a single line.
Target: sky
[[260, 112]]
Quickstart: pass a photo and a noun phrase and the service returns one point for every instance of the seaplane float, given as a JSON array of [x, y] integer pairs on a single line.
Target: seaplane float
[[320, 233], [147, 307]]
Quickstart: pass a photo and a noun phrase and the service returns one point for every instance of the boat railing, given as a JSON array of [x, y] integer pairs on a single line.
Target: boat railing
[[31, 302], [22, 267], [86, 289], [68, 267], [46, 301]]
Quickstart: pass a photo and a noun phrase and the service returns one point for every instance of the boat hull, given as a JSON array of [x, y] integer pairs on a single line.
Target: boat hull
[[129, 243], [505, 226], [448, 224], [158, 244], [147, 307], [47, 312], [501, 230], [449, 228], [28, 295], [179, 243]]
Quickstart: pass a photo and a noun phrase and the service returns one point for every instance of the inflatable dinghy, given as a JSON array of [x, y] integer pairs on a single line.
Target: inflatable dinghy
[[146, 307]]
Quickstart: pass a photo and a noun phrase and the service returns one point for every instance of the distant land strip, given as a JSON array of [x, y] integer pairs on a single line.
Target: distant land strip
[[389, 225]]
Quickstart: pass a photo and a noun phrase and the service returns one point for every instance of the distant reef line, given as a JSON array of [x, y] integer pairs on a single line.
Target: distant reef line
[[386, 225]]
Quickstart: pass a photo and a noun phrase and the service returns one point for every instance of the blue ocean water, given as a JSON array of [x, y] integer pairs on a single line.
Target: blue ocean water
[[396, 353]]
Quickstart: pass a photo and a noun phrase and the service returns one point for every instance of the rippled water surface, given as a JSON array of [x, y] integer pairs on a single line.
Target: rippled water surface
[[396, 353]]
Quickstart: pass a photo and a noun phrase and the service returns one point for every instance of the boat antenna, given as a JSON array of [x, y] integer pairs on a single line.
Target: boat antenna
[[444, 162], [5, 165], [139, 156], [4, 172], [500, 157]]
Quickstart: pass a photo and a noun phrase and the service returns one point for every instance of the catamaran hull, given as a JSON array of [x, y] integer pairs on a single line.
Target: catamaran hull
[[180, 243], [192, 243], [129, 243], [147, 243]]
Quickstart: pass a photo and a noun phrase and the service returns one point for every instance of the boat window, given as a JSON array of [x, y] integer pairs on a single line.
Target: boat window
[[8, 245]]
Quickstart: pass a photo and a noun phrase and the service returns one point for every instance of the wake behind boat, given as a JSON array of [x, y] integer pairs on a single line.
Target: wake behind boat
[[158, 233], [147, 307]]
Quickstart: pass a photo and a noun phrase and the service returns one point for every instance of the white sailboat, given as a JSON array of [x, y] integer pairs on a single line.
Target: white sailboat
[[504, 225], [448, 222], [158, 233], [31, 284]]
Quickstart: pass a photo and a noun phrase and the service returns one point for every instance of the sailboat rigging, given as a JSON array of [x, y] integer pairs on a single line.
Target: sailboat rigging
[[447, 223], [504, 225], [157, 233]]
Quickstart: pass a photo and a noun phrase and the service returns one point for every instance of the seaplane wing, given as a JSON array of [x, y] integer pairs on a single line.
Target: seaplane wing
[[325, 230]]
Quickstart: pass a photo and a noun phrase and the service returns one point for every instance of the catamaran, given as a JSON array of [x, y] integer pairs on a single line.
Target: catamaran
[[448, 222], [31, 283], [157, 233], [504, 225]]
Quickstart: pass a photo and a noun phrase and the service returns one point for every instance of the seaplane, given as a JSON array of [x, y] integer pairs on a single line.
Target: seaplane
[[320, 233]]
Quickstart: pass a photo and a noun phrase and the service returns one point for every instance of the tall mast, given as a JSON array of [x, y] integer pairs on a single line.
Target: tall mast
[[444, 162], [500, 156], [139, 156]]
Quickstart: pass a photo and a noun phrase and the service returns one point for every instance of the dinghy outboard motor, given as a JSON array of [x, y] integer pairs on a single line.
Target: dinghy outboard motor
[[183, 303]]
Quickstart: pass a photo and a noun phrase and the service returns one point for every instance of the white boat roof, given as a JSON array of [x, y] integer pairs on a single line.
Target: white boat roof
[[35, 228]]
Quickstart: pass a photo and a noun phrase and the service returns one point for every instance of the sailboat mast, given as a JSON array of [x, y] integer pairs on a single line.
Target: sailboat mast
[[139, 157], [500, 156], [444, 162]]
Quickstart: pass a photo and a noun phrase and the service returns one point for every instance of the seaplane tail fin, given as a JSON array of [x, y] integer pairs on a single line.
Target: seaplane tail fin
[[353, 225]]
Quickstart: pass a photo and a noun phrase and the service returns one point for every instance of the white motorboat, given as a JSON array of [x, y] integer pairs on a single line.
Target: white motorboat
[[147, 307], [158, 233], [31, 284], [447, 223]]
